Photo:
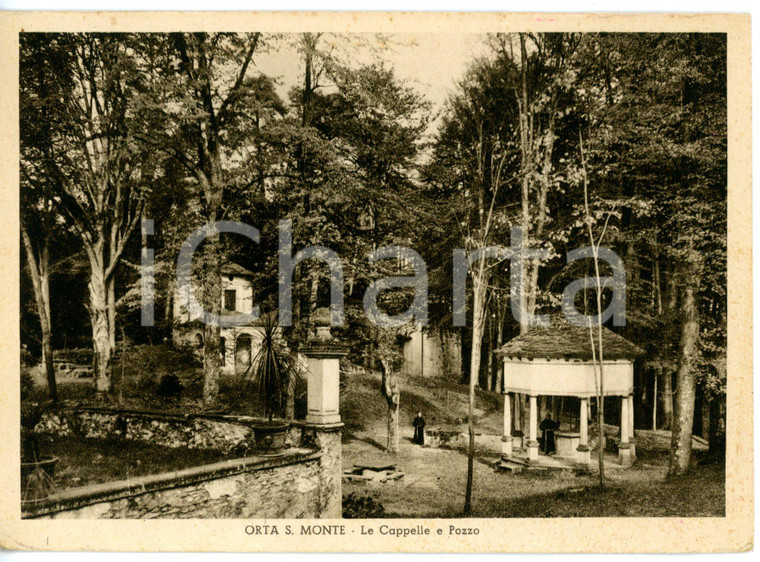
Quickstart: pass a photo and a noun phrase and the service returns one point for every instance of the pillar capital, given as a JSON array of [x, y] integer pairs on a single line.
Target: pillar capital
[[324, 349]]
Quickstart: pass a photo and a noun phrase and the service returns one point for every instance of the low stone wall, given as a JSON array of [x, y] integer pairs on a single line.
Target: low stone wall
[[449, 439], [229, 434], [280, 487], [304, 482]]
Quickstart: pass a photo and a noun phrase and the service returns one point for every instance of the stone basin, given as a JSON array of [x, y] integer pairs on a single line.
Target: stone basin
[[567, 442]]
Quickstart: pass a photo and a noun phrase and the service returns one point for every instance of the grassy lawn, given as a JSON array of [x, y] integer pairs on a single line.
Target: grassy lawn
[[700, 493], [91, 461], [435, 479]]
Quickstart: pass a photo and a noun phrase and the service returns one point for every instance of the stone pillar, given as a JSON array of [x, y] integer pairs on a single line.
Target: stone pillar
[[584, 451], [632, 433], [624, 447], [506, 438], [323, 380], [323, 427], [533, 441]]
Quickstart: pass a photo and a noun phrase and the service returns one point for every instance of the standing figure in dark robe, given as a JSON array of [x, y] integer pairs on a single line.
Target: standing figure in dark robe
[[419, 429], [548, 427]]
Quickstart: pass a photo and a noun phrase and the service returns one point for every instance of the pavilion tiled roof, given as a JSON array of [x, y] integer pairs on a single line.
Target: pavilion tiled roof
[[563, 340]]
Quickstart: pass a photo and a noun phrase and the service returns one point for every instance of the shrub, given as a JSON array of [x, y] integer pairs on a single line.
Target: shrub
[[146, 366], [27, 360], [80, 356], [362, 507], [170, 387], [28, 386]]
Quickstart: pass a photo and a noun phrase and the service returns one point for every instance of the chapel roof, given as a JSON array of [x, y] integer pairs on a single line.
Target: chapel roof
[[562, 340]]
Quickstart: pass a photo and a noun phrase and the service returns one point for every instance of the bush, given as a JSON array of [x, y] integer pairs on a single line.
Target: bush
[[28, 386], [27, 360], [362, 507], [151, 370], [80, 356], [170, 387]]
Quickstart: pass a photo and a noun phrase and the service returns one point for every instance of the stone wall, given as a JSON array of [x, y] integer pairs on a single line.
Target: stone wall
[[281, 487], [435, 353], [304, 482], [447, 439], [229, 434], [328, 440]]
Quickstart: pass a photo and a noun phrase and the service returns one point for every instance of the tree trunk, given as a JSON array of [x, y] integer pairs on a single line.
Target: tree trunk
[[489, 356], [683, 415], [717, 440], [290, 399], [654, 403], [392, 393], [100, 329], [667, 375], [39, 270], [667, 400], [704, 407], [168, 306], [393, 432], [499, 385], [478, 312], [112, 312], [212, 296]]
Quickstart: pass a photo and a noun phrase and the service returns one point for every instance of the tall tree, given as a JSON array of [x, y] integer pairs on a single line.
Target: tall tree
[[203, 93], [38, 216], [660, 135], [95, 164], [375, 122]]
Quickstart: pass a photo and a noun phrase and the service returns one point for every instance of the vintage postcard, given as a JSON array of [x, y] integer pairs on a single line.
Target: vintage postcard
[[355, 282]]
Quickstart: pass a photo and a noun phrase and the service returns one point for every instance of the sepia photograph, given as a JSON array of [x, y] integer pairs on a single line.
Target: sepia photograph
[[297, 278]]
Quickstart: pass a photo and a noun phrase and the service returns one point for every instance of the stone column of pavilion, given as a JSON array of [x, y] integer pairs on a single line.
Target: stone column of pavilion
[[624, 447], [323, 421], [631, 437], [627, 445], [506, 438], [533, 437], [584, 451]]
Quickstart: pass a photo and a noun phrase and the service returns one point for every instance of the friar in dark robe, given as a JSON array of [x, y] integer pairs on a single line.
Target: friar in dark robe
[[419, 429], [548, 427]]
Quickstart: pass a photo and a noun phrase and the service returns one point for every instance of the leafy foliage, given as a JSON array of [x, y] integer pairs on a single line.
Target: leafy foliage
[[357, 506], [273, 370]]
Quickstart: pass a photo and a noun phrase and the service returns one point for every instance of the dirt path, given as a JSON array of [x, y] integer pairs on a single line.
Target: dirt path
[[434, 485]]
